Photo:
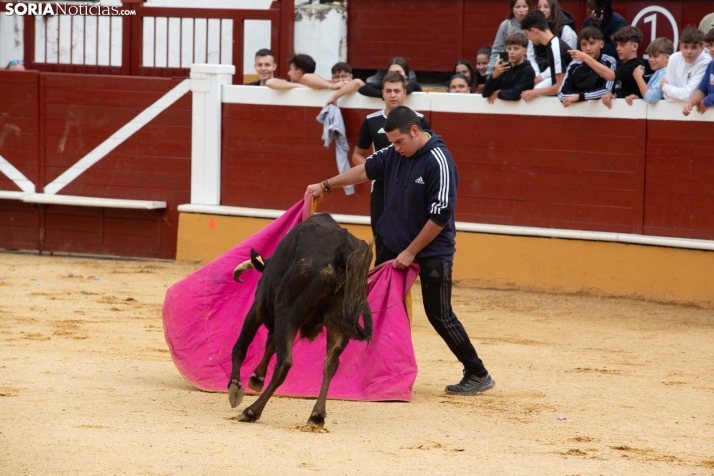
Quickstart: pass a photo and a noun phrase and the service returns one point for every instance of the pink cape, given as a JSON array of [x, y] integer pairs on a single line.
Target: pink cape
[[204, 312]]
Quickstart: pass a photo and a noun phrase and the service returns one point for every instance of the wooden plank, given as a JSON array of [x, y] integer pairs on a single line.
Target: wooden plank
[[179, 113], [577, 161], [545, 177], [129, 147], [78, 130], [104, 82], [105, 98], [129, 178], [679, 232], [75, 223]]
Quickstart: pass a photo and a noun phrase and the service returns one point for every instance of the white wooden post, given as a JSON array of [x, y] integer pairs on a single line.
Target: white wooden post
[[207, 82]]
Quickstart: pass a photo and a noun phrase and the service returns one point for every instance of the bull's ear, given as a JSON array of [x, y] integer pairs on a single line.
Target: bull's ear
[[257, 260]]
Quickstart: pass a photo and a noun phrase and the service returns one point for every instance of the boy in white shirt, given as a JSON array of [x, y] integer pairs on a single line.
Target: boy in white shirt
[[686, 67]]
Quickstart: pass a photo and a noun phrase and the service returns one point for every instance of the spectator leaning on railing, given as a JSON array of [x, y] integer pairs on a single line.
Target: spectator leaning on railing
[[628, 40], [265, 67], [512, 77], [659, 52], [703, 97], [686, 67], [536, 28], [302, 75], [581, 81], [399, 65]]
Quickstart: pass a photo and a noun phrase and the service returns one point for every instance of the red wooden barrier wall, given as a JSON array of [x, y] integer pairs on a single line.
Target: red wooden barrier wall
[[19, 145], [679, 190], [551, 172], [271, 153], [75, 114]]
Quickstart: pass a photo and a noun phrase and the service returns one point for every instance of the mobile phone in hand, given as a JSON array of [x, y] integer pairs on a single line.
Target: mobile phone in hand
[[598, 15], [503, 56]]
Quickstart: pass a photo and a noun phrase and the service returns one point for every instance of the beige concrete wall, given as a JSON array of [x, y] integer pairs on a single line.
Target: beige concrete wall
[[515, 262]]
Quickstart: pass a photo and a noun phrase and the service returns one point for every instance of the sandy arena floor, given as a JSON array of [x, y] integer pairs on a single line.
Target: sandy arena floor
[[584, 386]]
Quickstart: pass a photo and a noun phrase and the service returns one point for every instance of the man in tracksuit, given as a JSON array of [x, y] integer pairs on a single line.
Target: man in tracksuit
[[420, 181]]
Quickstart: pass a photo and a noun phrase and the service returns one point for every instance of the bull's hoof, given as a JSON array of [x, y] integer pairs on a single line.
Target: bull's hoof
[[316, 420], [256, 383], [235, 394], [248, 416]]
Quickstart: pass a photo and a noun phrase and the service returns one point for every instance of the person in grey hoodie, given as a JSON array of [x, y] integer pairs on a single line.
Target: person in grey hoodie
[[512, 24]]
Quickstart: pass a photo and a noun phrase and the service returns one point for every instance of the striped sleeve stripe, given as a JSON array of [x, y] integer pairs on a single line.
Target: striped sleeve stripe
[[380, 150], [374, 114], [443, 195], [557, 60]]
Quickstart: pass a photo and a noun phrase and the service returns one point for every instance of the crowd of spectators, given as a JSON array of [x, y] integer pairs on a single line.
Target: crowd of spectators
[[537, 53]]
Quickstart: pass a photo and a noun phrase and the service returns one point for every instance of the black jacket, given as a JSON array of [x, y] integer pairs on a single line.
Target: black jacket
[[512, 83], [417, 189], [582, 80]]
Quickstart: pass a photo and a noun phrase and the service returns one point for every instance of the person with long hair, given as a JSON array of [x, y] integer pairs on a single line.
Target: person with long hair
[[483, 56], [459, 84], [399, 65], [466, 69], [518, 11]]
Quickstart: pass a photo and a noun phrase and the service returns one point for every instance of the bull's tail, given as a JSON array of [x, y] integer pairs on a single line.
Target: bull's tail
[[355, 303]]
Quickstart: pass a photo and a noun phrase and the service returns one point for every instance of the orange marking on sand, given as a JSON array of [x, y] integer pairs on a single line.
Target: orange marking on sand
[[212, 224]]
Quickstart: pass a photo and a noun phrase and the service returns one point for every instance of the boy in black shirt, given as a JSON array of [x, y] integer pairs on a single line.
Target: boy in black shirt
[[264, 66], [581, 82], [535, 26], [628, 39], [512, 77]]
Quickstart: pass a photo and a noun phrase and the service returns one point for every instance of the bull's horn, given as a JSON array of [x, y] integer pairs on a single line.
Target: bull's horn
[[245, 265]]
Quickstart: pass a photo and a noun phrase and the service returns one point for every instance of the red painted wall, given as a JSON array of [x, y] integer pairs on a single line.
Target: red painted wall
[[551, 172], [19, 145], [679, 190], [76, 114]]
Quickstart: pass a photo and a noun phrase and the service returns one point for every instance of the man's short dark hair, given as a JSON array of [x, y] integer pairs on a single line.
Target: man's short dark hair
[[590, 33], [304, 63], [709, 38], [265, 52], [402, 118], [535, 19], [394, 77], [661, 46], [341, 67], [692, 36], [517, 38], [630, 34]]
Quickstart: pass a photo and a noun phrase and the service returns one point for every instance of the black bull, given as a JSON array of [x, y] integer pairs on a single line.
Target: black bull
[[316, 278]]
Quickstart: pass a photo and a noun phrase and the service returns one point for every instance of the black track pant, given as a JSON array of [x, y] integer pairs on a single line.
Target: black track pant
[[435, 275], [376, 208]]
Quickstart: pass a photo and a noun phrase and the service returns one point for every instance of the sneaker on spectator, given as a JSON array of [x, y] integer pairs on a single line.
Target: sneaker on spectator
[[471, 385]]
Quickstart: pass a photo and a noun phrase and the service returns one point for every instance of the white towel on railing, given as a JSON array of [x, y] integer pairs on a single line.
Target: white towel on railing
[[334, 128]]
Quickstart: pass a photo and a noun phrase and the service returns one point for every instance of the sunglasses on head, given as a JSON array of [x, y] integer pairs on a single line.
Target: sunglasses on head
[[15, 62]]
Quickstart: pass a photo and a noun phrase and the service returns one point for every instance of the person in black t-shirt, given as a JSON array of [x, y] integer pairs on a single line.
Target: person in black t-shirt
[[511, 78], [372, 134], [628, 40], [264, 66], [535, 26]]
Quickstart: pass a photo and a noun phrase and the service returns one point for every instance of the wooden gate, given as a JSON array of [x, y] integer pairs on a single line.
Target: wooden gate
[[137, 45]]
